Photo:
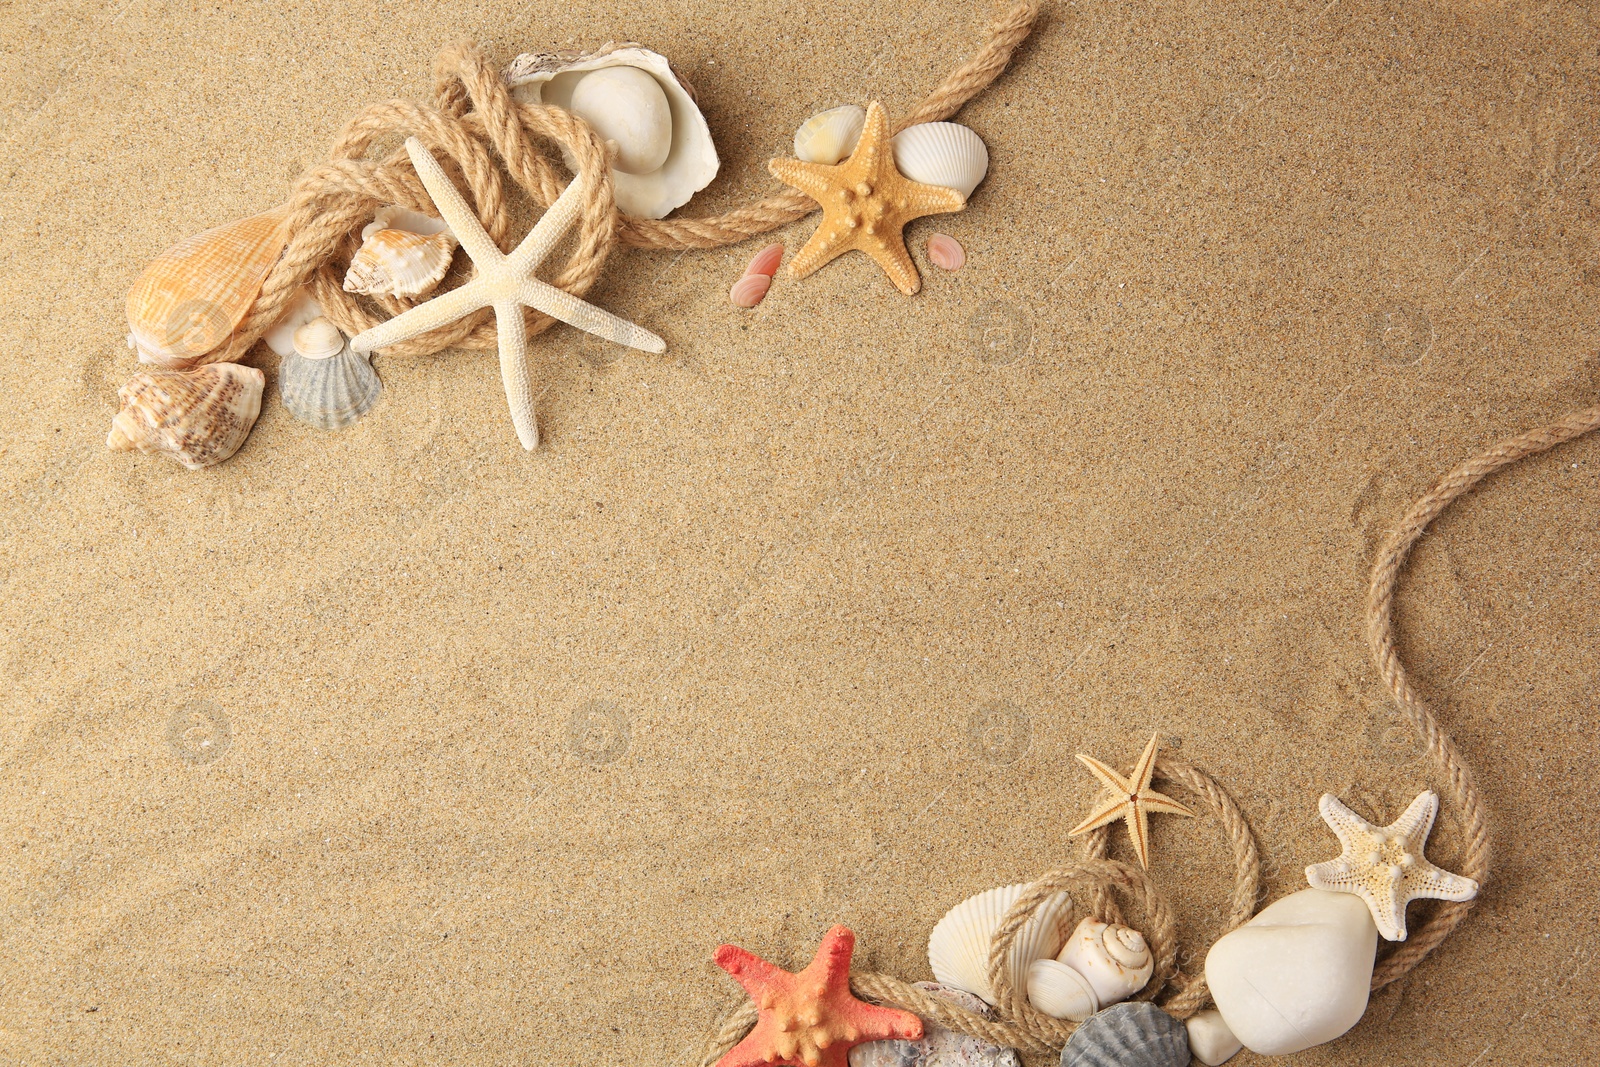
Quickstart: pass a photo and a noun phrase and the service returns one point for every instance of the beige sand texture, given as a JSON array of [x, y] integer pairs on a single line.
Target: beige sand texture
[[399, 745]]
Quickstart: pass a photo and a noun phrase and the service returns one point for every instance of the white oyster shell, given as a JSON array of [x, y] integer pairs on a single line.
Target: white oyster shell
[[691, 159], [958, 949], [1060, 992]]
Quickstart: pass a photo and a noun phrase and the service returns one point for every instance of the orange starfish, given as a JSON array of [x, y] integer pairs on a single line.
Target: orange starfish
[[809, 1019], [865, 202]]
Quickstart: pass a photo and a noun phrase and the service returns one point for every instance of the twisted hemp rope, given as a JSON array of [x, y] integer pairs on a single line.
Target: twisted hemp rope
[[472, 121]]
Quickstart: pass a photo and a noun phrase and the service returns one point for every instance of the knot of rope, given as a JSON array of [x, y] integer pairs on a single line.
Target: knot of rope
[[477, 130]]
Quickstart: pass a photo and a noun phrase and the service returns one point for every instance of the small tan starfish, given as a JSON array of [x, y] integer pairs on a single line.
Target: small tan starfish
[[1131, 799], [1384, 865], [865, 202], [505, 283]]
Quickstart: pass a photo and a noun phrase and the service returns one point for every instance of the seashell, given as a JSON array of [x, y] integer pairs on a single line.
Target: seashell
[[766, 261], [937, 1047], [325, 382], [941, 153], [198, 417], [184, 308], [958, 949], [1115, 959], [1128, 1035], [1210, 1040], [621, 107], [390, 217], [946, 252], [400, 263], [301, 310], [750, 290], [1060, 992], [1296, 975], [829, 136]]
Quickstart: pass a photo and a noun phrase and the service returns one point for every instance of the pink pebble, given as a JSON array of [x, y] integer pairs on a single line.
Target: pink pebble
[[945, 251], [766, 261], [748, 291]]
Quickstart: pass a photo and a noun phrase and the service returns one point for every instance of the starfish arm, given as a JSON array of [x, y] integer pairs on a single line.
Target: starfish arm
[[1108, 777], [833, 956], [440, 311], [1110, 810], [1436, 883], [896, 262], [878, 1023], [748, 969], [1164, 804], [1331, 875], [874, 140], [813, 179], [751, 1052], [1341, 820], [514, 373], [1139, 830], [825, 246], [453, 207], [1145, 769], [551, 227], [1388, 907], [559, 304], [1416, 823]]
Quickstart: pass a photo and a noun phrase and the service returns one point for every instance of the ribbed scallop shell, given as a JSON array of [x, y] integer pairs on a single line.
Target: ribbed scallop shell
[[941, 153], [829, 136], [958, 949], [328, 391], [198, 417], [1128, 1035], [183, 310], [1059, 991], [400, 263]]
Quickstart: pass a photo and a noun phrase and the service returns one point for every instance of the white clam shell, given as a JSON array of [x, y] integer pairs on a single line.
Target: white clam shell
[[1060, 992], [325, 382], [958, 949], [1115, 960], [829, 136], [626, 106], [691, 160], [941, 153], [300, 311]]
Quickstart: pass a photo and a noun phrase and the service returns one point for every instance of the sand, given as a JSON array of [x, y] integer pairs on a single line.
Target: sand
[[400, 745]]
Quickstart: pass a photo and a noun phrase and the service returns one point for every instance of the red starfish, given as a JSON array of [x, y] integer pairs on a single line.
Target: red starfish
[[809, 1019]]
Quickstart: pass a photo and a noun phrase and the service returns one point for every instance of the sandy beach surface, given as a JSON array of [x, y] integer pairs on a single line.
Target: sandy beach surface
[[399, 745]]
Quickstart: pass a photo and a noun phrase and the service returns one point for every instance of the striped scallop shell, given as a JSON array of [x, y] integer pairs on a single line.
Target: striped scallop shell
[[325, 382], [198, 417], [1138, 1034], [941, 153], [183, 310], [400, 263], [958, 949], [829, 136]]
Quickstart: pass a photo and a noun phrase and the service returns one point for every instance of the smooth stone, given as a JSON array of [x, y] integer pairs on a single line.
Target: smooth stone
[[1210, 1040], [938, 1047], [1296, 975]]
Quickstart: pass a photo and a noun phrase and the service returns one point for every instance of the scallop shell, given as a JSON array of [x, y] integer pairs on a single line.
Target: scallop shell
[[941, 153], [183, 310], [400, 263], [1128, 1035], [750, 290], [766, 261], [325, 382], [1115, 959], [198, 417], [612, 107], [959, 946], [829, 136], [1059, 991]]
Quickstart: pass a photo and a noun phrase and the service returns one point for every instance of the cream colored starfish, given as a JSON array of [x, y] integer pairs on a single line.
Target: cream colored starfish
[[505, 283], [1384, 865], [1131, 799]]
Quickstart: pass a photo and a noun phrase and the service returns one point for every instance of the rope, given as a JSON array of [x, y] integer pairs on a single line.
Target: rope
[[1095, 883], [1460, 786], [475, 127]]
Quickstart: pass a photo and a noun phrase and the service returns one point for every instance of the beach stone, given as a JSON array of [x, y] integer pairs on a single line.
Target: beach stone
[[1210, 1040], [938, 1047]]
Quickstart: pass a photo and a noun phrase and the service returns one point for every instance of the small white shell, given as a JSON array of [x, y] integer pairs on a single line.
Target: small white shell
[[627, 106], [325, 382], [829, 136], [390, 217], [1060, 992], [958, 949], [300, 311], [1115, 960], [941, 153]]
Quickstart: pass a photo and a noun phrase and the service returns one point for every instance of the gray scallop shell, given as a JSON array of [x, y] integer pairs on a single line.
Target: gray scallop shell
[[1137, 1034], [328, 393]]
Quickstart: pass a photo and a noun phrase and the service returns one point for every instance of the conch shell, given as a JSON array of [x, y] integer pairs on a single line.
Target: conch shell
[[958, 949], [633, 98], [183, 310], [1115, 959], [198, 417], [395, 261]]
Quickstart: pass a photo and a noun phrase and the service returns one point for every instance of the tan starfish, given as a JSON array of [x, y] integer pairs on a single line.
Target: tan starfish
[[1384, 865], [1131, 799], [505, 283], [865, 202]]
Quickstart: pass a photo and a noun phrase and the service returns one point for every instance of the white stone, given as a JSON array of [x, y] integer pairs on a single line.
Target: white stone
[[1210, 1040], [1296, 975]]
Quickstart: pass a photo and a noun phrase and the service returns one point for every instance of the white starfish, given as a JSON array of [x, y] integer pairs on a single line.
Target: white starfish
[[1384, 865], [505, 283]]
